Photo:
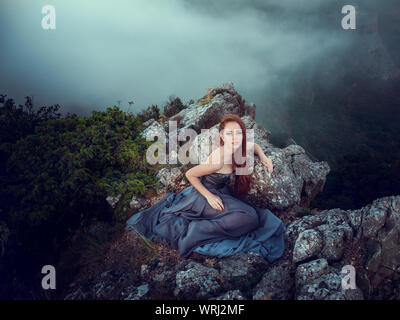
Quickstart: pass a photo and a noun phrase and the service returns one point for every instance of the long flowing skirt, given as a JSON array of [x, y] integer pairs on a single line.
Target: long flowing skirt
[[187, 222]]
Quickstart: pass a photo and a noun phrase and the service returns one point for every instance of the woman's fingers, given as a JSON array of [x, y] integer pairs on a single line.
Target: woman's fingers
[[217, 205], [220, 204]]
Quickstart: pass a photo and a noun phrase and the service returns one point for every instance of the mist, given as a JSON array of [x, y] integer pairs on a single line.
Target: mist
[[144, 51]]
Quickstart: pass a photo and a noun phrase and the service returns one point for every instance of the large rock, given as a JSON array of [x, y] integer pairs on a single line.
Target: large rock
[[277, 283], [154, 129], [241, 271], [318, 245], [170, 178], [230, 295], [295, 180], [381, 242], [308, 244], [197, 280], [316, 280], [317, 275], [207, 112]]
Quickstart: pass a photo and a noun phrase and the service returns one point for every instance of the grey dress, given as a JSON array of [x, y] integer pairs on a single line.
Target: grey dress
[[187, 222]]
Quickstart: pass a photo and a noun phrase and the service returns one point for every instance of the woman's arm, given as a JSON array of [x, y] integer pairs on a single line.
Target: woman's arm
[[263, 158], [257, 149], [213, 163]]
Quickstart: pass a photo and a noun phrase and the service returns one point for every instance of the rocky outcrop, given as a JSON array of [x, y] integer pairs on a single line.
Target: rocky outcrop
[[319, 249], [330, 254], [293, 184], [207, 111]]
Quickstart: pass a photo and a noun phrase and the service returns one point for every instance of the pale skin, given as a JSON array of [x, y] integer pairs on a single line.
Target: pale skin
[[232, 137]]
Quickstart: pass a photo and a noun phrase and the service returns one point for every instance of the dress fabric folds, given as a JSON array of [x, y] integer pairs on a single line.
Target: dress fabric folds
[[187, 222]]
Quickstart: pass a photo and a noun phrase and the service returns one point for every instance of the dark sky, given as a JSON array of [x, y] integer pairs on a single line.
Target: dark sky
[[145, 51]]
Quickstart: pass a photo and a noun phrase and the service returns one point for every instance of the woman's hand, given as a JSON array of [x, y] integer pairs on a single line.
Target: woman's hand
[[267, 162], [215, 202], [263, 158]]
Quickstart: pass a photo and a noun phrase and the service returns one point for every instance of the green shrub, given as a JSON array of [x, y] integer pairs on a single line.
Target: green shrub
[[59, 172]]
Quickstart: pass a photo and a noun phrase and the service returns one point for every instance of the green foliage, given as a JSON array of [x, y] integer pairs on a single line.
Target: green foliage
[[173, 106], [152, 112], [55, 174], [61, 170], [18, 121]]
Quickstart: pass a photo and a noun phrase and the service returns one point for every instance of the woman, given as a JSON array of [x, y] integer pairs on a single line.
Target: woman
[[209, 217]]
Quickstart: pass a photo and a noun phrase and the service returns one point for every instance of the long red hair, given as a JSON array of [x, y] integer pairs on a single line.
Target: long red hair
[[242, 182]]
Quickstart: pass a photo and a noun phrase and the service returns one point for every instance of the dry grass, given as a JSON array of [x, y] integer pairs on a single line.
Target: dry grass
[[207, 97]]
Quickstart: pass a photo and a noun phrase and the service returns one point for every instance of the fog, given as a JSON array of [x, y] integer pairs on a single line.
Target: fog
[[102, 52]]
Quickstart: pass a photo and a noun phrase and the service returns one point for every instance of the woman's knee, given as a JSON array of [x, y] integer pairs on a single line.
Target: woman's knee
[[252, 219], [241, 221]]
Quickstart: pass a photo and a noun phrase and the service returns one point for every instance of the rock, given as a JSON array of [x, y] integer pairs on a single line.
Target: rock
[[308, 245], [276, 284], [197, 281], [135, 293], [381, 240], [148, 122], [77, 294], [333, 242], [354, 294], [247, 275], [304, 223], [102, 289], [156, 132], [295, 181], [324, 283], [144, 270], [230, 295], [170, 178], [373, 220], [310, 271], [154, 129], [241, 270], [241, 264], [142, 290], [137, 204], [206, 113], [318, 245], [112, 201], [355, 218], [203, 144]]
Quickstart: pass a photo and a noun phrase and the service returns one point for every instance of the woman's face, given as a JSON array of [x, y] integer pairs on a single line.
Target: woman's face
[[232, 135]]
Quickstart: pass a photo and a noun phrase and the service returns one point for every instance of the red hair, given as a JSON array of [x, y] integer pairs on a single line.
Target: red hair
[[242, 182]]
